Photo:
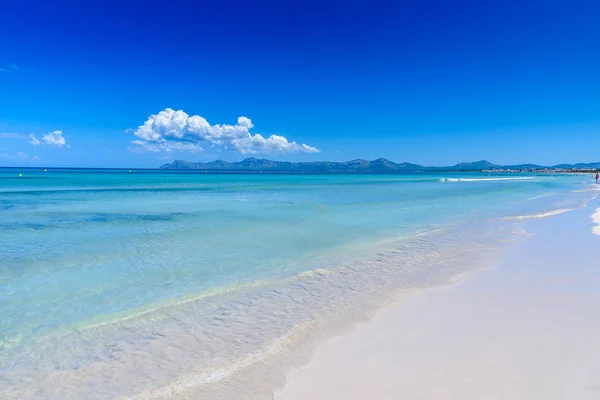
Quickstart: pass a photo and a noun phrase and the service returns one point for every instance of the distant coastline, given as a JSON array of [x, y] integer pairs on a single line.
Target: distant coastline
[[380, 165]]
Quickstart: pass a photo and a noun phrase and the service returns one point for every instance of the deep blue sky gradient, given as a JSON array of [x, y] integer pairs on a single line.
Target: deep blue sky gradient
[[430, 82]]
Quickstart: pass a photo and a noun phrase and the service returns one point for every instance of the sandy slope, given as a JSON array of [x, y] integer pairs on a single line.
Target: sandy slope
[[527, 329]]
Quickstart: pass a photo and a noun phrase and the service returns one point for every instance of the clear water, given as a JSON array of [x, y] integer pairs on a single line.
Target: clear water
[[150, 275]]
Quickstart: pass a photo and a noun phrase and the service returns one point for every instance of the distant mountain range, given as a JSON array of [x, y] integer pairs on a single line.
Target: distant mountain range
[[381, 165]]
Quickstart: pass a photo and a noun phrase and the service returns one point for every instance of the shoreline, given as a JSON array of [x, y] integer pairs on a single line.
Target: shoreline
[[255, 374], [270, 374], [526, 328], [267, 374], [242, 344], [259, 374]]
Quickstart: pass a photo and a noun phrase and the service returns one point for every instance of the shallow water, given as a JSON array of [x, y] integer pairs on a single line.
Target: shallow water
[[115, 282]]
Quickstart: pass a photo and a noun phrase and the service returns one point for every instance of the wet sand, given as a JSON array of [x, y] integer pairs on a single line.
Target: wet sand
[[527, 328]]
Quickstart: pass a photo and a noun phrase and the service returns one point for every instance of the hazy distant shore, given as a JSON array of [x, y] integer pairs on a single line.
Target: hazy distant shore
[[380, 165]]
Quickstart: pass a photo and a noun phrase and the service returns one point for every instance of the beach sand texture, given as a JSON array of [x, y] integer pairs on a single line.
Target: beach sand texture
[[526, 329]]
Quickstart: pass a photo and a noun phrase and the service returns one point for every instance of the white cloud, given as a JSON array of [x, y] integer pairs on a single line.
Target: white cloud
[[54, 138], [33, 140], [171, 130]]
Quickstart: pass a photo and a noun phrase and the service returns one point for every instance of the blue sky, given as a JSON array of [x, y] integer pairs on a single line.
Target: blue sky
[[430, 82]]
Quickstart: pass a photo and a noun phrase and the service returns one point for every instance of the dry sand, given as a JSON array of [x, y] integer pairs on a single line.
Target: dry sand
[[529, 329]]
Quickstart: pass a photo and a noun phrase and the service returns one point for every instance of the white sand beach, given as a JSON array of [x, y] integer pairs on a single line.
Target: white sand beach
[[528, 328], [596, 219]]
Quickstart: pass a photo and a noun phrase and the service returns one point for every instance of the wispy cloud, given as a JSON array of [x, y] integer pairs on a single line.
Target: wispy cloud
[[33, 140], [54, 138], [19, 156], [171, 130], [12, 135], [14, 67]]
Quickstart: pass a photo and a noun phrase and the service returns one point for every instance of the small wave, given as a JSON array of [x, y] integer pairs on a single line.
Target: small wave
[[584, 203], [519, 178], [314, 273], [591, 188], [540, 215], [540, 196], [54, 191], [195, 380], [150, 311], [596, 219]]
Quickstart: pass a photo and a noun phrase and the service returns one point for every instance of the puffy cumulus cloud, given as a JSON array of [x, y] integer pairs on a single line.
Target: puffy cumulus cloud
[[171, 130], [54, 138]]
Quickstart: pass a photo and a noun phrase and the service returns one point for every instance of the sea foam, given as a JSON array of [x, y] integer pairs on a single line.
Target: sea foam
[[539, 215], [519, 178]]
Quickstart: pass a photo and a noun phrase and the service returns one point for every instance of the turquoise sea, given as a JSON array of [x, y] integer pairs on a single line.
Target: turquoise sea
[[115, 282]]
